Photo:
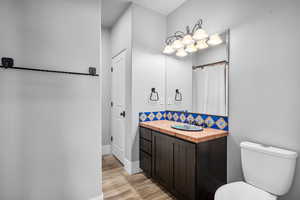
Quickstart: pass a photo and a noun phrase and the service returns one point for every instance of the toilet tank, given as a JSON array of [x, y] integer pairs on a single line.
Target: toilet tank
[[268, 168]]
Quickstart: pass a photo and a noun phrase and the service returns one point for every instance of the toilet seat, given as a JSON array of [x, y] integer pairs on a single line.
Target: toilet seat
[[242, 191]]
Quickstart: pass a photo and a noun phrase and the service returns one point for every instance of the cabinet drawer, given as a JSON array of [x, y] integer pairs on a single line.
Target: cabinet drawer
[[146, 133], [146, 163], [146, 146]]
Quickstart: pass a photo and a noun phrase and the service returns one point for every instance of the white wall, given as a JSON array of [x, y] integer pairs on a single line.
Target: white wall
[[141, 32], [148, 66], [179, 76], [264, 74], [106, 86], [49, 123], [210, 55], [121, 39]]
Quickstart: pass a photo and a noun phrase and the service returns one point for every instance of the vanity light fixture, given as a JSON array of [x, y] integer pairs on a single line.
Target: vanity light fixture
[[201, 44], [200, 34], [191, 48], [190, 41], [168, 49], [215, 39], [181, 53], [187, 40], [177, 44]]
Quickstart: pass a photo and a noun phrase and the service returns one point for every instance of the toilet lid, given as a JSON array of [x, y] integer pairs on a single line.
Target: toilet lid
[[242, 191]]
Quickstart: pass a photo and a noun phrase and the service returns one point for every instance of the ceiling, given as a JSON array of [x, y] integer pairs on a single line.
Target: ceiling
[[113, 9]]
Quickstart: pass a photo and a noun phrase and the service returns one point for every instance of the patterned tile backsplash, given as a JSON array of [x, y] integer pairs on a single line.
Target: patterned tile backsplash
[[211, 121], [152, 116]]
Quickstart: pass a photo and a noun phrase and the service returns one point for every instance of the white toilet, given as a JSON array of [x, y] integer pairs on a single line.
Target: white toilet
[[268, 172]]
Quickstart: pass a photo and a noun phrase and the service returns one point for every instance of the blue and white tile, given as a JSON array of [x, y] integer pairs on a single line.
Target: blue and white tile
[[182, 117], [169, 115], [212, 121], [175, 117], [209, 121], [143, 117], [221, 123]]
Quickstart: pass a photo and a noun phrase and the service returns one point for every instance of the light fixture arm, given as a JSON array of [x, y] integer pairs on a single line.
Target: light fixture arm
[[197, 26], [180, 34], [169, 40], [188, 30], [177, 35]]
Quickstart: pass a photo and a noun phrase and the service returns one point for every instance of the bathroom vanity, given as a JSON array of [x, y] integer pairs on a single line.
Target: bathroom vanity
[[190, 165]]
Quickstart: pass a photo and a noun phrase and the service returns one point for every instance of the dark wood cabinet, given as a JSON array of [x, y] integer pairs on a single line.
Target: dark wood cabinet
[[146, 163], [162, 159], [146, 134], [188, 170], [184, 154], [146, 151], [211, 167], [146, 146]]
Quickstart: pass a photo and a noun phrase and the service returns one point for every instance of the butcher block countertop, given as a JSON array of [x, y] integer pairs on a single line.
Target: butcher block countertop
[[164, 126]]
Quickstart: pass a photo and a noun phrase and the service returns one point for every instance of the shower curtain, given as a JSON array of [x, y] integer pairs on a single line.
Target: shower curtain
[[210, 90]]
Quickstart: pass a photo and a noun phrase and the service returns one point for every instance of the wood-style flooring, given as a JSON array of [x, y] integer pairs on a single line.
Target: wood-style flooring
[[118, 185]]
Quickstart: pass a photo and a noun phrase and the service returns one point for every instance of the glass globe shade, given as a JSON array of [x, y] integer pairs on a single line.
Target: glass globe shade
[[215, 39], [187, 40], [177, 44], [181, 53], [200, 34], [168, 49], [191, 48], [201, 44]]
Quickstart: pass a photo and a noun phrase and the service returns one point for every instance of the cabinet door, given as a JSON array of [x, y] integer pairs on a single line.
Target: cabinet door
[[146, 133], [212, 167], [146, 163], [163, 159], [185, 169]]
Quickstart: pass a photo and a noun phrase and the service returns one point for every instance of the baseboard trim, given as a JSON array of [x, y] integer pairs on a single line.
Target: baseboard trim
[[132, 167], [100, 197], [106, 149]]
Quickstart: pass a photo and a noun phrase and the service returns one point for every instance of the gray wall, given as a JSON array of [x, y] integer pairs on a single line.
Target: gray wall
[[121, 39], [148, 67], [176, 67], [264, 72], [50, 123], [143, 54], [106, 86], [210, 55]]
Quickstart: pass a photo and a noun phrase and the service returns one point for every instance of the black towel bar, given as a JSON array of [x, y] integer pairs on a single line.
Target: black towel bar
[[51, 71]]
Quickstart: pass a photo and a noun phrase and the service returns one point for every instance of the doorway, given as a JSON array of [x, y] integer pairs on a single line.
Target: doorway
[[118, 114]]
